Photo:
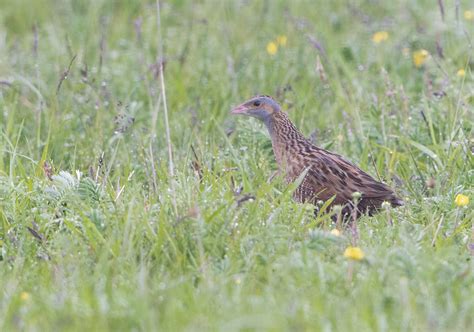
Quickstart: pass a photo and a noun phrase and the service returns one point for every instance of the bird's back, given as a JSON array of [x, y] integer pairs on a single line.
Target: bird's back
[[330, 175]]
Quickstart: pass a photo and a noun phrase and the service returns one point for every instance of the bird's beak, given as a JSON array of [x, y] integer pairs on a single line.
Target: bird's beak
[[241, 109]]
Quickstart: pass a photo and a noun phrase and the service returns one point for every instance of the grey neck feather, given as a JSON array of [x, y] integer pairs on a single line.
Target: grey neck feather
[[268, 121]]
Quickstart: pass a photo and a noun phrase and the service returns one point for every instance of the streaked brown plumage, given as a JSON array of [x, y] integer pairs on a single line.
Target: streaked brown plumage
[[327, 174]]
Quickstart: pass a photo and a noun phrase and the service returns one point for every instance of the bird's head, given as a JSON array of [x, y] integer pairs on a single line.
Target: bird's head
[[260, 107]]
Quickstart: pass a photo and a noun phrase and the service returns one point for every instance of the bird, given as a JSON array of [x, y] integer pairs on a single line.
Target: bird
[[324, 175]]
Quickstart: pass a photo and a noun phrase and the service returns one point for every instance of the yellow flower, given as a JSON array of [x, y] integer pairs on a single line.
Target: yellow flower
[[380, 36], [24, 296], [336, 232], [272, 48], [354, 253], [419, 57], [461, 200], [469, 15], [461, 72], [281, 40]]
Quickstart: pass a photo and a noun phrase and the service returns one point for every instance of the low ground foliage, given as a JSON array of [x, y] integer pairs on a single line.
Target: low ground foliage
[[95, 234]]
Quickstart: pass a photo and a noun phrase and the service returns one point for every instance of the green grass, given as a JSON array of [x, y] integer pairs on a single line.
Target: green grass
[[111, 242]]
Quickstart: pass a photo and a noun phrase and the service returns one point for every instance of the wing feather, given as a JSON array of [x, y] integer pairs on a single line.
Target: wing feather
[[330, 175]]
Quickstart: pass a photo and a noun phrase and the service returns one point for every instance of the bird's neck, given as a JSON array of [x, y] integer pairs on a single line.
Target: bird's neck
[[282, 129], [284, 135]]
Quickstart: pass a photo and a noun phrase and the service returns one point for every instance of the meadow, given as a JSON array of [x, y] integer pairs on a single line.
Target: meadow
[[130, 199]]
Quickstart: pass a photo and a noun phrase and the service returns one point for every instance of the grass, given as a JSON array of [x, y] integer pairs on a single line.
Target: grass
[[95, 234]]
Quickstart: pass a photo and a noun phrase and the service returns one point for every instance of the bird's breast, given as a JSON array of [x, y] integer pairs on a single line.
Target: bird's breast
[[288, 163]]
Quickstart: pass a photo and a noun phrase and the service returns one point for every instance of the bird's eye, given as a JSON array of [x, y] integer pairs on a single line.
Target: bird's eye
[[257, 103]]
